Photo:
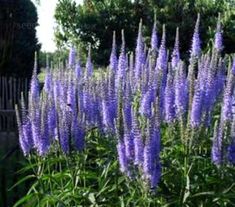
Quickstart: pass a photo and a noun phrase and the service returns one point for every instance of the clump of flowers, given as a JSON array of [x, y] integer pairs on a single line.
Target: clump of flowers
[[133, 101]]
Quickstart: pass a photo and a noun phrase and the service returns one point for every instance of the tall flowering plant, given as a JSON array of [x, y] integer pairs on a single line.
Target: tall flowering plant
[[172, 125]]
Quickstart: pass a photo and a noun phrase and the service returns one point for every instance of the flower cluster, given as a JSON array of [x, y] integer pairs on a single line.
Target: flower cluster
[[131, 101]]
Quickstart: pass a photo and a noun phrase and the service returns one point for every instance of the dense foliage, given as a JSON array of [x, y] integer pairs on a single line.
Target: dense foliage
[[94, 21], [18, 42], [147, 132]]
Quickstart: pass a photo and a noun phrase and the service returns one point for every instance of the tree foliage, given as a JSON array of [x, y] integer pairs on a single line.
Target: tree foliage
[[94, 21], [18, 42]]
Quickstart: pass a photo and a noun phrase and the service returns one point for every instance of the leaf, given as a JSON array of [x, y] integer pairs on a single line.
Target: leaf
[[22, 180], [23, 200], [91, 197]]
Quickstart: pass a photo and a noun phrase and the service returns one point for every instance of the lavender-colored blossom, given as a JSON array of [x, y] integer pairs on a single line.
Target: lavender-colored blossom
[[48, 82], [154, 38], [36, 127], [217, 152], [44, 142], [89, 66], [121, 62], [155, 176], [72, 57], [34, 86], [146, 101], [139, 53], [71, 97], [228, 96], [78, 135], [107, 117], [218, 36], [51, 119], [122, 156], [162, 55], [78, 69], [138, 142], [196, 112], [175, 54], [113, 61], [196, 42], [169, 97], [181, 91], [24, 138], [129, 145], [64, 133]]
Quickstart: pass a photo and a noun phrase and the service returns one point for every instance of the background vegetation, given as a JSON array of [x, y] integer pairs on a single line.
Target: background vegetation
[[95, 20]]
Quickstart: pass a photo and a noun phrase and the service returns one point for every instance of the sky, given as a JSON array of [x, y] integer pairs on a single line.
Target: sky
[[45, 30]]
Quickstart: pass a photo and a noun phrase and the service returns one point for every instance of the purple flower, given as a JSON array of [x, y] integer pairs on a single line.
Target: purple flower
[[44, 142], [170, 114], [139, 53], [48, 82], [218, 36], [107, 117], [196, 43], [34, 86], [154, 38], [146, 102], [89, 66], [196, 112], [78, 135], [155, 176], [25, 138], [231, 153], [78, 70], [122, 156], [113, 62], [64, 133], [121, 62], [175, 54], [181, 91], [162, 56], [216, 153], [129, 145], [72, 57], [138, 142]]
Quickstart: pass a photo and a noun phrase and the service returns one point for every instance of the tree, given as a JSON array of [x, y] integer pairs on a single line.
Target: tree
[[94, 21], [18, 42]]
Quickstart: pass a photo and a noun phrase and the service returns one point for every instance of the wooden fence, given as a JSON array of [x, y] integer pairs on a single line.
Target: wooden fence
[[10, 93], [10, 155]]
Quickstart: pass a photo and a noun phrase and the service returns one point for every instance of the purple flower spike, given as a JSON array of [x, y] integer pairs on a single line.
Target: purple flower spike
[[196, 107], [78, 135], [170, 114], [139, 53], [181, 91], [122, 156], [162, 56], [155, 176], [72, 57], [34, 87], [176, 54], [216, 153], [196, 42], [154, 37], [44, 143], [129, 145], [113, 62], [89, 66], [218, 36], [231, 153], [78, 69], [138, 142], [64, 133], [122, 62]]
